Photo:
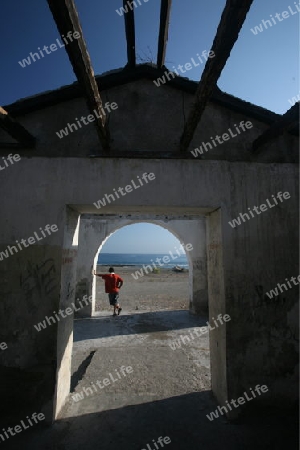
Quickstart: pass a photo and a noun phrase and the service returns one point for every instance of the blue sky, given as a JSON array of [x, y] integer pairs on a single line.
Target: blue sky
[[262, 69], [141, 238]]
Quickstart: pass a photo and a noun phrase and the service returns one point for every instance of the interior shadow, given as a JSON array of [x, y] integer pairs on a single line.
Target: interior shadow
[[181, 418], [150, 322]]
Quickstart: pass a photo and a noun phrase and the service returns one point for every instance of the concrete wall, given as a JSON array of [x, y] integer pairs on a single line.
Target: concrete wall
[[259, 254], [217, 305], [49, 188], [256, 255], [67, 297]]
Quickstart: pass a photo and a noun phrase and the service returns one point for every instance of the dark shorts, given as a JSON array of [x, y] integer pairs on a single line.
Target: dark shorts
[[113, 299]]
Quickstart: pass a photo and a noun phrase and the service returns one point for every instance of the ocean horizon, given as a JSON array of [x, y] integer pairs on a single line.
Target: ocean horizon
[[139, 259]]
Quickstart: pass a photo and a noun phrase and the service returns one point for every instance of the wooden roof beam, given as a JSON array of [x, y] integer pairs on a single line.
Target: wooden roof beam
[[287, 121], [165, 10], [130, 32], [231, 22], [67, 21], [16, 130]]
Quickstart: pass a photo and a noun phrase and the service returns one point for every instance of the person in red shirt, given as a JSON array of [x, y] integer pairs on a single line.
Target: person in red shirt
[[113, 283]]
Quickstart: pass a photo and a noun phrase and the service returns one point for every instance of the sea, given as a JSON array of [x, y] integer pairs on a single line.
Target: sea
[[139, 259]]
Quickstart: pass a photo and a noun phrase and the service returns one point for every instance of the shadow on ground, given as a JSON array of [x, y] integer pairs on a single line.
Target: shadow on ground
[[182, 418], [79, 373], [136, 323]]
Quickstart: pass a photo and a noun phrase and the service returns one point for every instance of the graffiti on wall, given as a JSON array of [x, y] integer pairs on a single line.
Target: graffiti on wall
[[68, 256], [39, 278]]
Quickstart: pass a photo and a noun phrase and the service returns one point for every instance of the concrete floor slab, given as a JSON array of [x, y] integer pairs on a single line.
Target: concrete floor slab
[[167, 393]]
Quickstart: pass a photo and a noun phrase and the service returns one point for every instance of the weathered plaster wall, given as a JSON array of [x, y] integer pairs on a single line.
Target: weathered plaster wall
[[260, 338], [259, 254], [67, 297], [151, 118], [216, 292]]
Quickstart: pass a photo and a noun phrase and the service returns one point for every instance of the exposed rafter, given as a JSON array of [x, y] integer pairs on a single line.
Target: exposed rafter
[[285, 123], [163, 31], [130, 32], [67, 21], [231, 22], [16, 130]]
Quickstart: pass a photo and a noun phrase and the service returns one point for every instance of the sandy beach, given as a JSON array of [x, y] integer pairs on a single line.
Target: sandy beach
[[166, 290]]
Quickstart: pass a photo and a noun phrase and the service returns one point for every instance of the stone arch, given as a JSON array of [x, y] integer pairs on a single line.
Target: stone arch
[[159, 223], [96, 230]]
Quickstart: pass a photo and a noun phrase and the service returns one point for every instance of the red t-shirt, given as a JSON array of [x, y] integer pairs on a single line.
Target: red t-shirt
[[112, 282]]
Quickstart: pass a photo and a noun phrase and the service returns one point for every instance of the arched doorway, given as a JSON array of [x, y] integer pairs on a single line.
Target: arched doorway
[[96, 230], [145, 255]]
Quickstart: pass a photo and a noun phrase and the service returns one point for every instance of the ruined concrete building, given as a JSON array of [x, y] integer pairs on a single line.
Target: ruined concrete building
[[215, 158]]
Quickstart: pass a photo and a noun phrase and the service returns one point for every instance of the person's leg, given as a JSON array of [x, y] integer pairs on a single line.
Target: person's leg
[[116, 304], [112, 302], [118, 307]]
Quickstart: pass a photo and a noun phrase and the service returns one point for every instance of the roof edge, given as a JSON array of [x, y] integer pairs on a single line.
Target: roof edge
[[126, 75]]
